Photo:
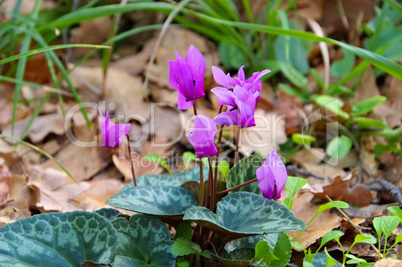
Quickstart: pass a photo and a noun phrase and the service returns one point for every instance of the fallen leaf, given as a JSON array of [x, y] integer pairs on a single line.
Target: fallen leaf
[[339, 189], [141, 167], [10, 215], [95, 31], [55, 190], [388, 263], [21, 195], [304, 210], [98, 193], [268, 134], [81, 162], [5, 176]]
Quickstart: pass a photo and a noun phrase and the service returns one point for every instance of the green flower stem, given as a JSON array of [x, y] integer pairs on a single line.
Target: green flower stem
[[237, 186], [131, 160]]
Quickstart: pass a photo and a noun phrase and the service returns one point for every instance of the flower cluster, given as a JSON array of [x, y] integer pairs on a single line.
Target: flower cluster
[[240, 95]]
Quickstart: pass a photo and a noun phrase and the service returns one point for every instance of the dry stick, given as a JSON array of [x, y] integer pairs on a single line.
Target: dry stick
[[131, 160], [236, 159], [354, 225]]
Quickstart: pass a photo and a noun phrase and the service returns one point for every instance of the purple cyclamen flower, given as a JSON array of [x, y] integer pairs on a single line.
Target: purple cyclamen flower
[[252, 84], [272, 176], [203, 136], [187, 77], [241, 106], [112, 133]]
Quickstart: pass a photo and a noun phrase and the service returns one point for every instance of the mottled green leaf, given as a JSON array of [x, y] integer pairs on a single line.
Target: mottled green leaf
[[143, 241], [169, 180], [108, 214], [243, 213], [156, 200], [243, 171], [58, 239]]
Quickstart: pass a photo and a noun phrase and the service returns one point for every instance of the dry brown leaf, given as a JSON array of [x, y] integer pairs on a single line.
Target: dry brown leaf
[[123, 93], [388, 263], [41, 127], [339, 189], [10, 215], [290, 107], [268, 134], [310, 160], [82, 162], [20, 194], [95, 31], [5, 176], [6, 109], [141, 167], [98, 193], [54, 189], [322, 224]]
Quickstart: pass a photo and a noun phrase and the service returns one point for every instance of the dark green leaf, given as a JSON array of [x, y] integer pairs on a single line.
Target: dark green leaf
[[342, 67], [156, 200], [243, 213], [243, 171], [58, 239], [143, 241]]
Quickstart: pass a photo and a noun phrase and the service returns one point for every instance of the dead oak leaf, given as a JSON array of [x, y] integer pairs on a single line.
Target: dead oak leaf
[[10, 215], [54, 189]]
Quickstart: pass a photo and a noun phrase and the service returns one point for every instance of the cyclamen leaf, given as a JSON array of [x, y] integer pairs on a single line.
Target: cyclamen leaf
[[58, 239]]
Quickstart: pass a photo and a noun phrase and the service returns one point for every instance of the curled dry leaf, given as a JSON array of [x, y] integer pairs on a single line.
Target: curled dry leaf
[[339, 189], [5, 176]]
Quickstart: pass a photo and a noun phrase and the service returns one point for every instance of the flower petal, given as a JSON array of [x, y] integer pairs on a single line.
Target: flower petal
[[225, 96], [196, 62], [182, 103], [203, 136], [220, 77], [228, 118]]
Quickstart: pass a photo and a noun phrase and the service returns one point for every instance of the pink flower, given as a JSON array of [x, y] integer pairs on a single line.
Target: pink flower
[[187, 77], [203, 136], [272, 176], [112, 133]]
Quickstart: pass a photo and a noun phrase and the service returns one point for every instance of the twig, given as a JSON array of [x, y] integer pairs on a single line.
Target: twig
[[354, 225], [293, 168]]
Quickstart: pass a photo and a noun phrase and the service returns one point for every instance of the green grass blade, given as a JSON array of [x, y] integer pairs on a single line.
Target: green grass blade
[[109, 10], [40, 151], [395, 5], [22, 63], [49, 48], [377, 60]]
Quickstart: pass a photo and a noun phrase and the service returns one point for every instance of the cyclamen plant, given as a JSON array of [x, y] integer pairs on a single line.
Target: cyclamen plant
[[216, 222]]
